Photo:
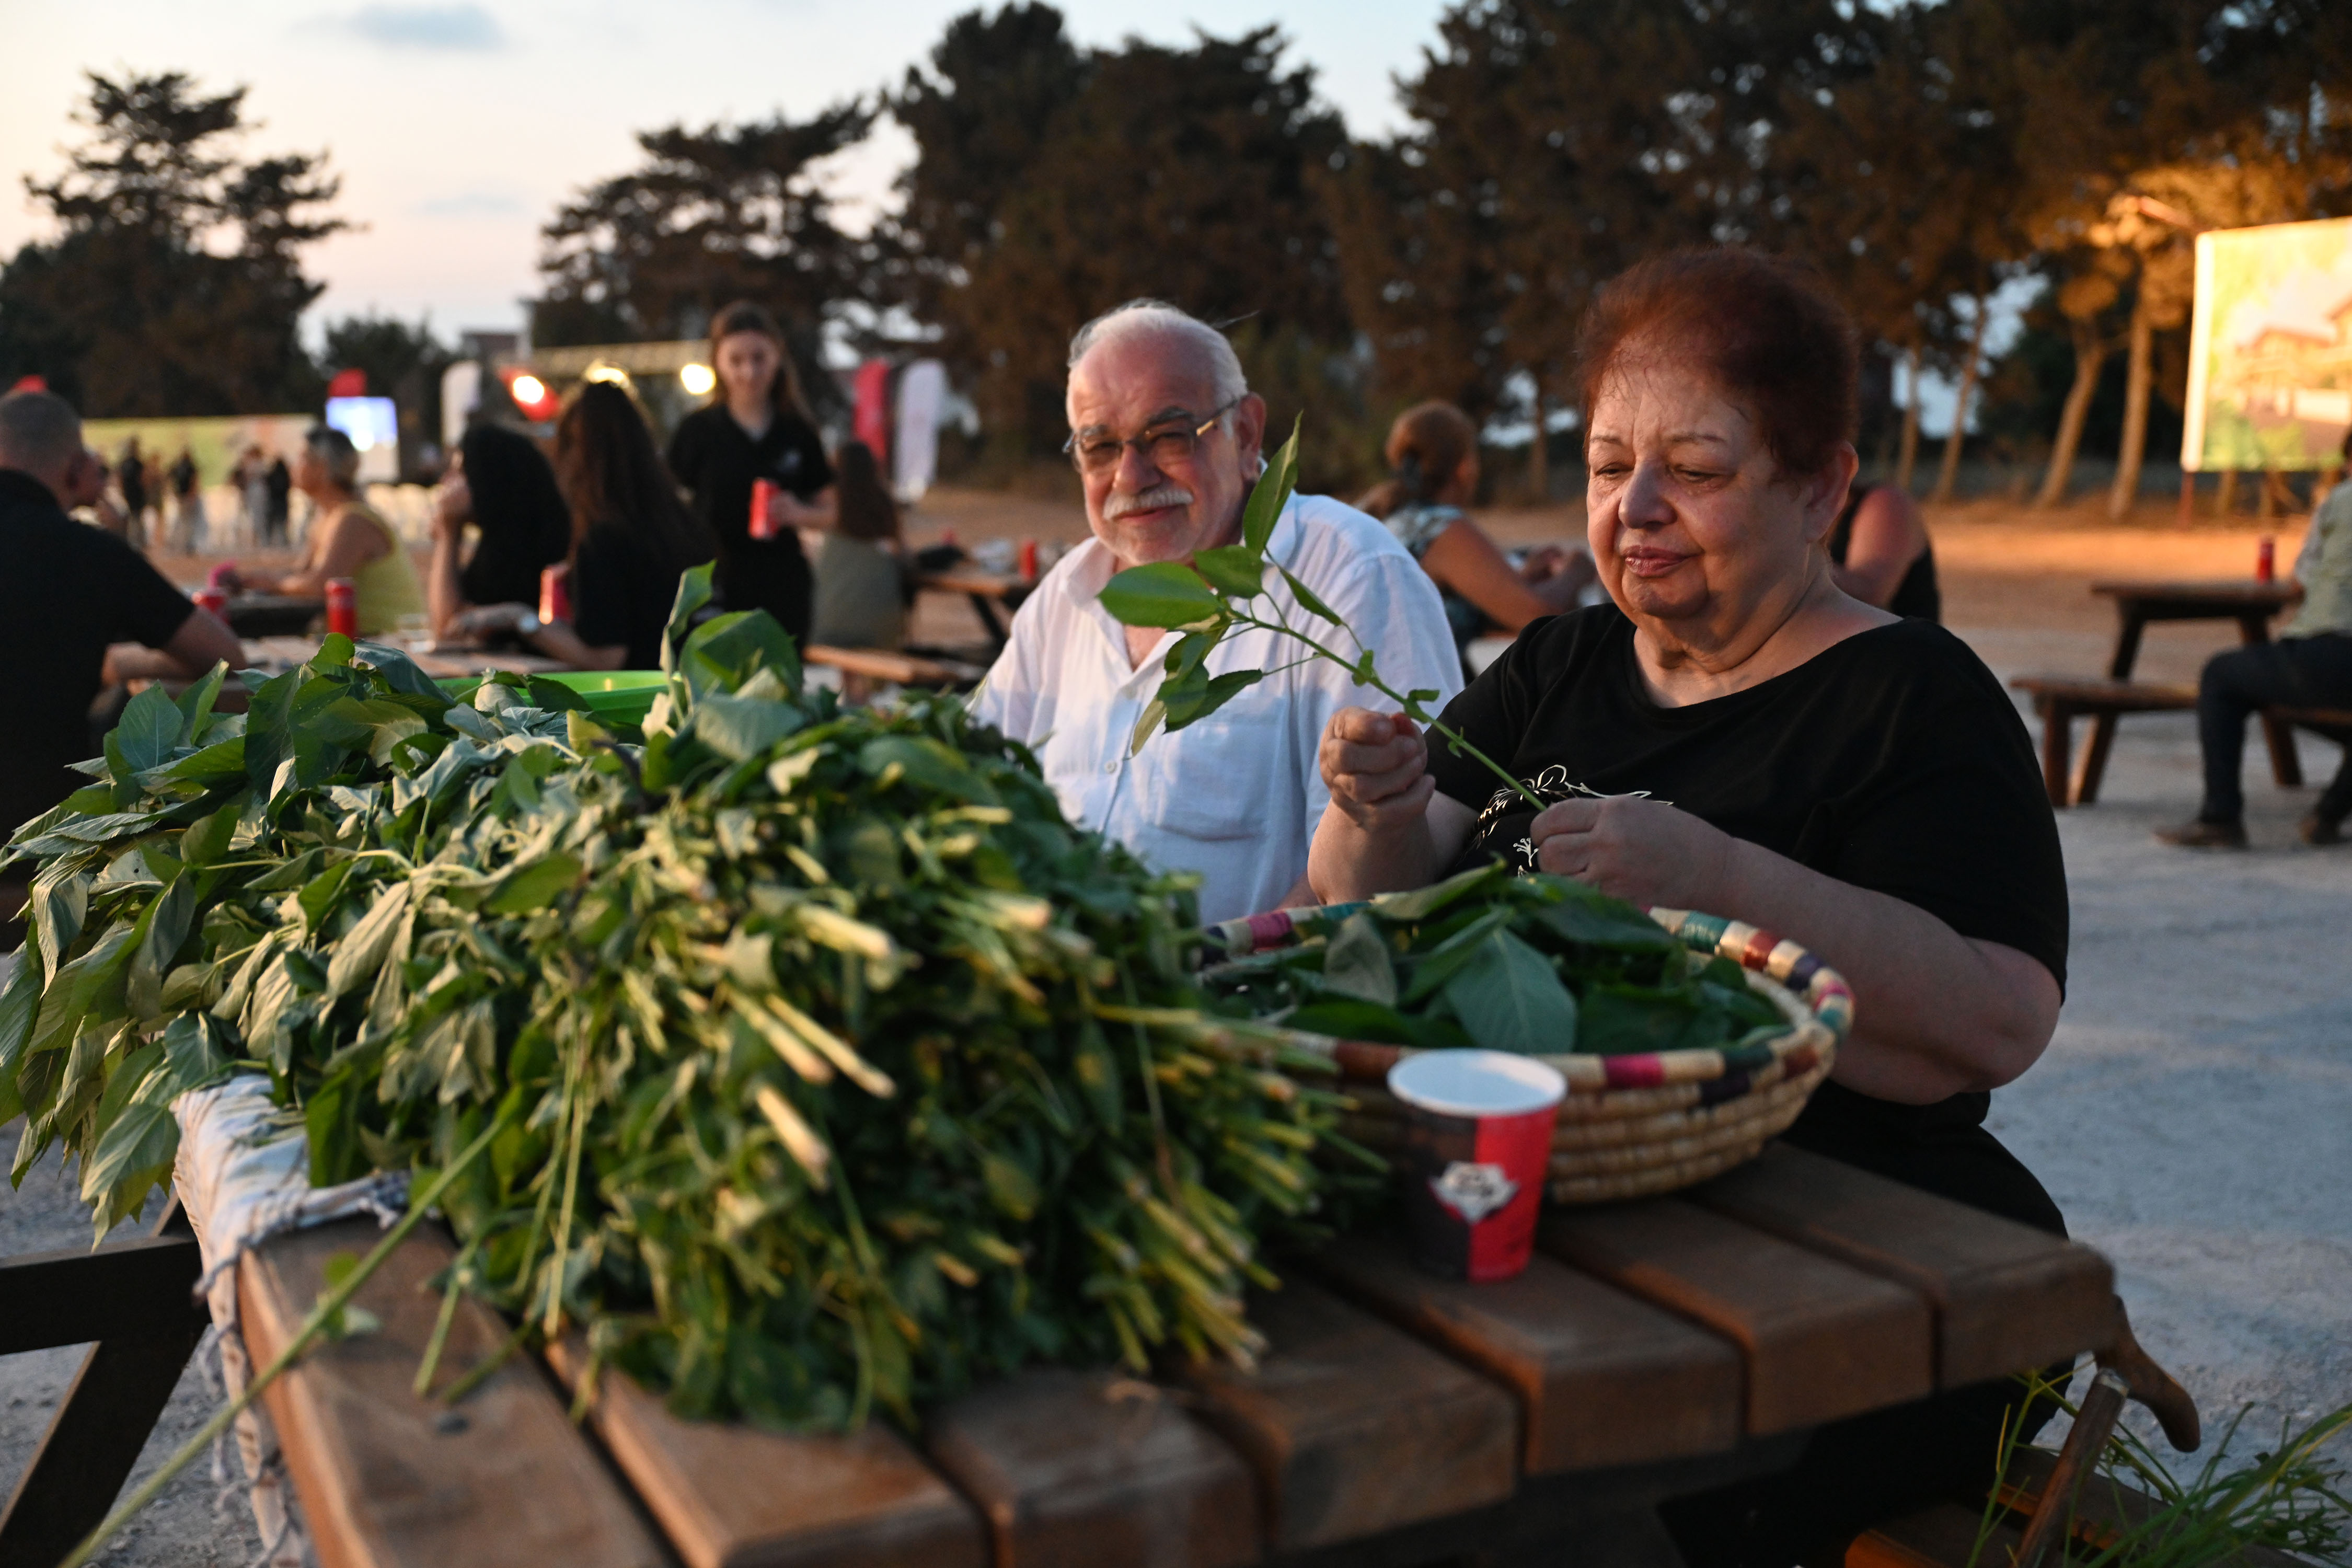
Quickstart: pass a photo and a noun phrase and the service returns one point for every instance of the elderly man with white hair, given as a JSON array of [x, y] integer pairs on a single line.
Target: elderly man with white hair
[[1167, 437]]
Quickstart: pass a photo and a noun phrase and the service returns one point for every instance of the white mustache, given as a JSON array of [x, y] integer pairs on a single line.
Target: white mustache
[[1152, 500]]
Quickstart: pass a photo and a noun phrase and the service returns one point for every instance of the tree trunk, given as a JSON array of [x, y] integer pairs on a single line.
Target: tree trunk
[[2143, 334], [1906, 455], [1539, 456], [2090, 358], [1948, 475], [2227, 501]]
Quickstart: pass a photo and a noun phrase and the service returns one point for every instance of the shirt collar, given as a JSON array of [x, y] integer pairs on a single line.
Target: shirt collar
[[1090, 571]]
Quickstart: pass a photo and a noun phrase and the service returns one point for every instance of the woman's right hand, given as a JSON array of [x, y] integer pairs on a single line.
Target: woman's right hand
[[453, 507], [1375, 766]]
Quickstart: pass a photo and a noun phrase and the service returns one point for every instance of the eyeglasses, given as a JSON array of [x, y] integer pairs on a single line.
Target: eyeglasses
[[1161, 446]]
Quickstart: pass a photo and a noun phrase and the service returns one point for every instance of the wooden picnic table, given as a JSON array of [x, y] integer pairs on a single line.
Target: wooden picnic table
[[442, 664], [272, 615], [2249, 603], [995, 595], [1651, 1349]]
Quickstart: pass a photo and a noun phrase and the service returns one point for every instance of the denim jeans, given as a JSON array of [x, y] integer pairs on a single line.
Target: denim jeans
[[2298, 672]]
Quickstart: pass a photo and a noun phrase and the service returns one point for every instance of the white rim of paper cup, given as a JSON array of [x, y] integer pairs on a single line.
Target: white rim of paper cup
[[1477, 1083]]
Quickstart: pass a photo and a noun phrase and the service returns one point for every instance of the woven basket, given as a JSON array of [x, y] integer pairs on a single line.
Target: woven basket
[[1632, 1125]]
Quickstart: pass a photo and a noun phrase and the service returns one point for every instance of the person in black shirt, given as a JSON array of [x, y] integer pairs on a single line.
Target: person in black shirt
[[1737, 734], [1880, 554], [759, 428], [501, 483], [68, 592], [631, 537], [278, 482]]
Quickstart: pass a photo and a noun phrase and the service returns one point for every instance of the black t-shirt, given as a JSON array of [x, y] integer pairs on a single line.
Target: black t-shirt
[[621, 593], [1890, 760], [522, 524], [66, 592], [717, 460]]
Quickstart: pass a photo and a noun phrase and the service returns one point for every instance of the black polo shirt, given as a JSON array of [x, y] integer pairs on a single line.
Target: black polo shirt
[[716, 459], [66, 590]]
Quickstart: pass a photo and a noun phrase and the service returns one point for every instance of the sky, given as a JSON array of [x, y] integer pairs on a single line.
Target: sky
[[458, 128]]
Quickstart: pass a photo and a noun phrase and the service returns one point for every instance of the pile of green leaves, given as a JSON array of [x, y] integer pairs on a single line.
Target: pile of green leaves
[[829, 1068], [1539, 964]]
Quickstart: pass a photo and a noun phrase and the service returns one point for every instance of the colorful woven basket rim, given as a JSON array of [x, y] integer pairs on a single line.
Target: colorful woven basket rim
[[1815, 998]]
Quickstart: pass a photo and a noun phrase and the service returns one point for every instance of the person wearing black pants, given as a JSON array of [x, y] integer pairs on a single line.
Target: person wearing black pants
[[2309, 667]]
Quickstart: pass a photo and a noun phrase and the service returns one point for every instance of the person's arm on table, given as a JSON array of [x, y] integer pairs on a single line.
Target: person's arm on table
[[559, 641], [1463, 559], [201, 642]]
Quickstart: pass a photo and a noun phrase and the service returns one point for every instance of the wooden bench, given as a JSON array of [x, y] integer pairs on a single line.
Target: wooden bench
[[898, 669], [1651, 1349], [2060, 699]]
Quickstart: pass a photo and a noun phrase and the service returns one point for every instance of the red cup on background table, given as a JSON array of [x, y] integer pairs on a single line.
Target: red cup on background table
[[763, 501], [1478, 1137], [213, 600], [1028, 561], [555, 592], [342, 607], [2267, 559]]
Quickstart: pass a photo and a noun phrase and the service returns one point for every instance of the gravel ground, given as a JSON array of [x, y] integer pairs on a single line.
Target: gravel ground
[[2190, 1116]]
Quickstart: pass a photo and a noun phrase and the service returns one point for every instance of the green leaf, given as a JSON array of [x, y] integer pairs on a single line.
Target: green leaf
[[1166, 593], [1592, 920], [335, 652], [1147, 724], [401, 673], [1306, 598], [1619, 1019], [1271, 493], [693, 594], [1423, 902], [362, 949], [533, 887], [1232, 569], [1357, 963], [216, 764], [150, 729], [1010, 1187], [168, 920], [724, 653], [929, 765], [739, 727], [133, 1157], [1352, 1018], [207, 838], [1210, 695], [1511, 999], [195, 704]]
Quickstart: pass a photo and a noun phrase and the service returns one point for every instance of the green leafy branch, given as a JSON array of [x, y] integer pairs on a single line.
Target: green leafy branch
[[1213, 594]]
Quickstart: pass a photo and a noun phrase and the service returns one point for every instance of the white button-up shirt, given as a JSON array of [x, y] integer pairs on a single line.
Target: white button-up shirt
[[1235, 796]]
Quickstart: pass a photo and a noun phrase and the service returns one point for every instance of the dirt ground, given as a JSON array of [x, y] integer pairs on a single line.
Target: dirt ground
[[2190, 1117]]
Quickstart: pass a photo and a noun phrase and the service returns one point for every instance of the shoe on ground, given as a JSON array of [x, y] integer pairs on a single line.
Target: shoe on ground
[[2199, 834], [2318, 829]]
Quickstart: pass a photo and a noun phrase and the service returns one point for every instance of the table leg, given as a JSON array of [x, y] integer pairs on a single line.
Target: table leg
[[2126, 642], [985, 609], [2093, 765], [2057, 741]]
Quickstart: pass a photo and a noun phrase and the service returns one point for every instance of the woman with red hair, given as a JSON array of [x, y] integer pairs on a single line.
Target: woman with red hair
[[1738, 733]]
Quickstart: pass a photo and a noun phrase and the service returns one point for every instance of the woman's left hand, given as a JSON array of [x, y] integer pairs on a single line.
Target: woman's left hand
[[1643, 851]]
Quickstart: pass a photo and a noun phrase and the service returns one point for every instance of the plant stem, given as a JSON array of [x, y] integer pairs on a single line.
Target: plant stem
[[1371, 677], [332, 1302]]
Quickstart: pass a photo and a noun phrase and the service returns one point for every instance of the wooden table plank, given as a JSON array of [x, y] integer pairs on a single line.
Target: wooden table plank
[[1822, 1340], [732, 1496], [1601, 1379], [1355, 1426], [391, 1481], [1076, 1468], [2006, 1296]]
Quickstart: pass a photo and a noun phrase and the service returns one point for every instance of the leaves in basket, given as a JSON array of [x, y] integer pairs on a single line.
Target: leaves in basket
[[1509, 999], [1357, 963]]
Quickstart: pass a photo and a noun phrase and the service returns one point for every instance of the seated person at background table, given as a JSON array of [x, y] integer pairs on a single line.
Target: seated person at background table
[[346, 539], [66, 592], [501, 483], [1433, 452], [1166, 435], [1737, 734], [2310, 665], [759, 428], [861, 575], [1880, 554], [631, 537]]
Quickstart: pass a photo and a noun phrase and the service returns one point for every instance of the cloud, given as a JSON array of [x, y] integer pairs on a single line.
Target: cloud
[[459, 28], [470, 203]]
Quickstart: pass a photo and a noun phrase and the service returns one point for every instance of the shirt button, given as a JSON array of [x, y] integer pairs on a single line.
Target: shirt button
[[1110, 767]]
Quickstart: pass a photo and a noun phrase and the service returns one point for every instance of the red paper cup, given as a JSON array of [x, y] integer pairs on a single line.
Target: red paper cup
[[555, 592], [212, 599], [342, 607], [1477, 1136], [764, 499]]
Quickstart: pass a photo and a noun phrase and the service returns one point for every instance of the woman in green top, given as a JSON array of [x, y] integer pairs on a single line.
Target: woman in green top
[[2310, 665], [347, 539]]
